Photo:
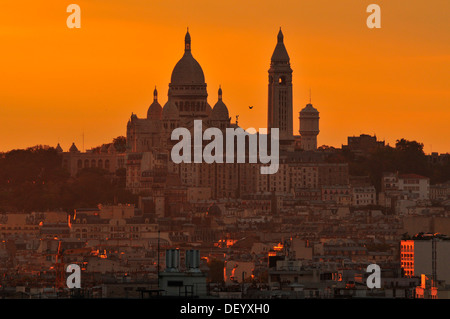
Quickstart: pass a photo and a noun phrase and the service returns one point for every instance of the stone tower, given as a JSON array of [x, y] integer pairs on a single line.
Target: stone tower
[[309, 127], [280, 93]]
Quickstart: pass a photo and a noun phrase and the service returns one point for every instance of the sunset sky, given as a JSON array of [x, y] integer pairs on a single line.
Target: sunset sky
[[57, 83]]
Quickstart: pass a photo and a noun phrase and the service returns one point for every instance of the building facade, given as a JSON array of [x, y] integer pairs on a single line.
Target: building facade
[[417, 258]]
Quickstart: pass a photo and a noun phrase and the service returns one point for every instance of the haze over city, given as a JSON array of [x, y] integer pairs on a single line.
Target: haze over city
[[59, 83], [125, 172]]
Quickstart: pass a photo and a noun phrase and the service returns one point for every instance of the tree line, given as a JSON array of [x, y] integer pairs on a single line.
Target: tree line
[[405, 157], [33, 179]]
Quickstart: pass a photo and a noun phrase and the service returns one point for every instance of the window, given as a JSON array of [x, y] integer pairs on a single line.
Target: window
[[175, 283]]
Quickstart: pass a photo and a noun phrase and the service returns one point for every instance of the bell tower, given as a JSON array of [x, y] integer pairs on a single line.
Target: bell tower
[[280, 93]]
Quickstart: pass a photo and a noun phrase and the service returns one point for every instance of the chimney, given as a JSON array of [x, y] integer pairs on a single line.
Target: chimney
[[172, 260], [192, 260]]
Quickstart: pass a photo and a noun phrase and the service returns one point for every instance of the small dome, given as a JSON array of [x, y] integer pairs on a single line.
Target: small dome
[[309, 108], [170, 111], [187, 70], [155, 110], [220, 110]]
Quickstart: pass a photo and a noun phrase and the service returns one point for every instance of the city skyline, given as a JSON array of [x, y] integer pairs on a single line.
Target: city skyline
[[233, 151], [106, 70]]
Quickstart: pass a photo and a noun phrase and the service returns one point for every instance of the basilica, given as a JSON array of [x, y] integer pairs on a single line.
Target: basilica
[[187, 100], [164, 187], [148, 164]]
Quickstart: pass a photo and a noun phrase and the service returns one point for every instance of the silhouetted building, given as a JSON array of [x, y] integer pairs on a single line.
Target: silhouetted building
[[280, 94], [309, 128], [363, 144]]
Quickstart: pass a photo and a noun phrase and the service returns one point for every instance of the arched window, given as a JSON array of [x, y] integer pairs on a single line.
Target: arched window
[[86, 163], [80, 164], [93, 164], [107, 164], [100, 163]]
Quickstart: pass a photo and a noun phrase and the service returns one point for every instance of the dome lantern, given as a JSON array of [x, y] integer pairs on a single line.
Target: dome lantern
[[187, 41]]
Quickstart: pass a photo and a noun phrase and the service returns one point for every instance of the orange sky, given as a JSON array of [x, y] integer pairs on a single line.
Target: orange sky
[[56, 83]]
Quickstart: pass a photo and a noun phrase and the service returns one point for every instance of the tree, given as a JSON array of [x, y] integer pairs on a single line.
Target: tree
[[120, 143], [410, 157]]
